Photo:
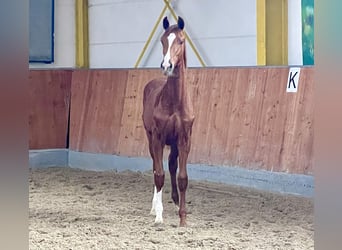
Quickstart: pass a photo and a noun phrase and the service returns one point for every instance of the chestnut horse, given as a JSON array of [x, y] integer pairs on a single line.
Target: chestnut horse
[[168, 117]]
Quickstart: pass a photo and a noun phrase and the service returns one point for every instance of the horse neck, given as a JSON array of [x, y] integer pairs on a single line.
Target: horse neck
[[175, 94]]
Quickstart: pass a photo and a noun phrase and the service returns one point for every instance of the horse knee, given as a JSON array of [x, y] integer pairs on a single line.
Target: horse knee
[[159, 181], [182, 183]]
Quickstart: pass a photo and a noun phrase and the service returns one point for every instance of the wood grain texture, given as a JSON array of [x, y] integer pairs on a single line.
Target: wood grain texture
[[244, 117], [49, 99], [96, 110], [133, 139]]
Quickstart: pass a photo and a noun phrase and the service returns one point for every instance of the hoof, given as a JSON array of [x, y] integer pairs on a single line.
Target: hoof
[[182, 224], [158, 220]]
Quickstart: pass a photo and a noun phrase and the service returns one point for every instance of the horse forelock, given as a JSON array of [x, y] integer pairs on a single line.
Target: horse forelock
[[173, 29]]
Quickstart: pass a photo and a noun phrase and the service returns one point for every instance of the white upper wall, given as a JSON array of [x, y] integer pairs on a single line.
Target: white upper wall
[[295, 53], [64, 44], [224, 32]]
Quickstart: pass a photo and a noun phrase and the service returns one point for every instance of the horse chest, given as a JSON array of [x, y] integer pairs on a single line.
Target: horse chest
[[168, 125], [171, 127]]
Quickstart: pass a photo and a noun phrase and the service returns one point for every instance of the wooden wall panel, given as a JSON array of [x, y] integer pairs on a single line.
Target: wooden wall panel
[[298, 137], [49, 99], [133, 139], [244, 117], [96, 110]]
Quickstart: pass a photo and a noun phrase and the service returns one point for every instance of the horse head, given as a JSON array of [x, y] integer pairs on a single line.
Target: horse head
[[173, 42]]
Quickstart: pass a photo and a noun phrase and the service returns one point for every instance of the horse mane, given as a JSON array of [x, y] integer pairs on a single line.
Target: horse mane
[[185, 63]]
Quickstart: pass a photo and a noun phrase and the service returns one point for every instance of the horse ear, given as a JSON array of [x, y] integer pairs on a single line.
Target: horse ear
[[165, 23], [180, 23]]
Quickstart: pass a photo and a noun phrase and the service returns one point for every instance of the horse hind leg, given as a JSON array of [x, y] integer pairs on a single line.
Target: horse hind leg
[[173, 165]]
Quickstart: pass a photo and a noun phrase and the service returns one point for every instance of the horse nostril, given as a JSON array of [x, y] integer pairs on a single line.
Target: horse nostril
[[170, 64], [161, 65]]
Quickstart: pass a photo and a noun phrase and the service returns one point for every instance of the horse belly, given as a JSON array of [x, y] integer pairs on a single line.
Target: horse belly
[[171, 139]]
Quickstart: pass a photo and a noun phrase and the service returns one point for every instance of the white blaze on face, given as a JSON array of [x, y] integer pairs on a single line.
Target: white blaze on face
[[157, 206], [166, 62]]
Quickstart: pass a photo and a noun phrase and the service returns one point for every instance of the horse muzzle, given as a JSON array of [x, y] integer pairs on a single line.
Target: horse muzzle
[[167, 68]]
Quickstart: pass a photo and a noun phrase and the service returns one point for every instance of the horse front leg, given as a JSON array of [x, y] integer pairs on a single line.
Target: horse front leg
[[154, 200], [184, 149], [159, 176], [182, 185]]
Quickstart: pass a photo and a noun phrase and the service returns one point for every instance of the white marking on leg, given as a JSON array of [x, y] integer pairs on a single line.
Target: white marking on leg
[[154, 200], [159, 207], [167, 57]]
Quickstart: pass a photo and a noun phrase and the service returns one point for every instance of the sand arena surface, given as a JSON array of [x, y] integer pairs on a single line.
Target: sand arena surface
[[77, 209]]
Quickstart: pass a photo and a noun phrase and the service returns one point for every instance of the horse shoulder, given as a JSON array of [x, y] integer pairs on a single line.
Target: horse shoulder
[[153, 85]]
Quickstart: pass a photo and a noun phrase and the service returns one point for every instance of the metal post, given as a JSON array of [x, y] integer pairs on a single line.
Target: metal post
[[82, 36]]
